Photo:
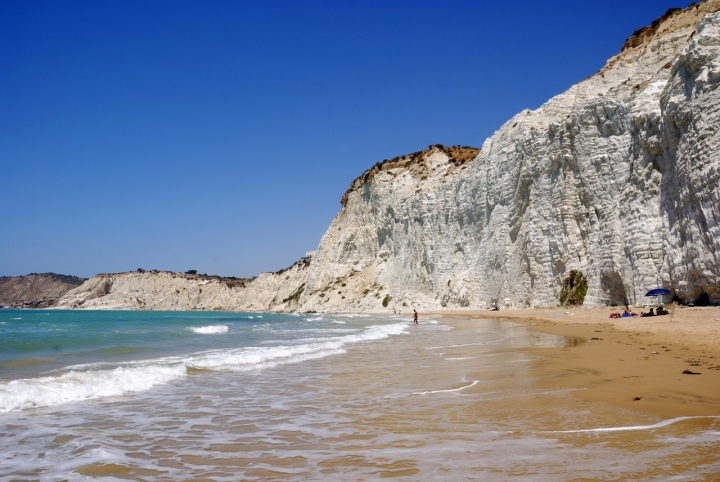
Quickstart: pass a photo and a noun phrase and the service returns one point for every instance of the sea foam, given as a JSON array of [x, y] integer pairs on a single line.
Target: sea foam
[[449, 390], [75, 386], [661, 424], [96, 380], [209, 330]]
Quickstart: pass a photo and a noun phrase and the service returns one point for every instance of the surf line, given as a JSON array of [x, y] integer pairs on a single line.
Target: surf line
[[448, 390], [664, 423]]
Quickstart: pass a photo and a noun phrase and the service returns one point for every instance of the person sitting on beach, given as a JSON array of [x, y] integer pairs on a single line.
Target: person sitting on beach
[[628, 312], [650, 313], [495, 307], [661, 311]]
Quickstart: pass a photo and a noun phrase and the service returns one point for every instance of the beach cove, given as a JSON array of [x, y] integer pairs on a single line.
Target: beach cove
[[360, 397]]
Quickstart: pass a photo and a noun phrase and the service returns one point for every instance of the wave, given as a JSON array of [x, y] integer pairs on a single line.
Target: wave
[[209, 330], [664, 423], [97, 380], [262, 357], [462, 345], [447, 390], [75, 386]]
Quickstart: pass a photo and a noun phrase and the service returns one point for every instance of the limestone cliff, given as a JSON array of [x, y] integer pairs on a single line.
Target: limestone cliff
[[163, 290], [617, 177]]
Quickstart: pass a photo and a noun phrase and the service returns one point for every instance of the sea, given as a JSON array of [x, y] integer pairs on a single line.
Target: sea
[[219, 396]]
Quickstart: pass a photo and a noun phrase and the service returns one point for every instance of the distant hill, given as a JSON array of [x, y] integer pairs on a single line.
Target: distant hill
[[168, 290], [36, 289]]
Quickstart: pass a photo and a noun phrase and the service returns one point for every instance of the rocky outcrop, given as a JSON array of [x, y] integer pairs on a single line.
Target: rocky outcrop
[[163, 290], [36, 289], [618, 178]]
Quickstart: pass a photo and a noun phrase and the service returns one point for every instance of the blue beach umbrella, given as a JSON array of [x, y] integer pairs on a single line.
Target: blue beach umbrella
[[658, 292]]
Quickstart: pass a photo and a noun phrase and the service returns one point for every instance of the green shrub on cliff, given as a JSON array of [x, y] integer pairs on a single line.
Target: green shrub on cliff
[[574, 289], [296, 294]]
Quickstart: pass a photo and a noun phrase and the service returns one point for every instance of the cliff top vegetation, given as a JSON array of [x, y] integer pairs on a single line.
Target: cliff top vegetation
[[64, 278], [414, 162]]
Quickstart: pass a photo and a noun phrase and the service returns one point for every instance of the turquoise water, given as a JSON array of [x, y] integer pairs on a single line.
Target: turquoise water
[[38, 341], [174, 396], [51, 357]]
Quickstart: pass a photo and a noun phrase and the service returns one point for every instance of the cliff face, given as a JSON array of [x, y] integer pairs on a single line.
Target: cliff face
[[36, 290], [617, 177], [161, 290]]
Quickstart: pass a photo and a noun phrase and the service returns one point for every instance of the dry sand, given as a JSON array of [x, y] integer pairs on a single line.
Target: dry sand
[[633, 363]]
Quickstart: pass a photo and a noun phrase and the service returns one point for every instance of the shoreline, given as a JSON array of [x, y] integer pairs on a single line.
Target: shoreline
[[453, 397], [627, 358]]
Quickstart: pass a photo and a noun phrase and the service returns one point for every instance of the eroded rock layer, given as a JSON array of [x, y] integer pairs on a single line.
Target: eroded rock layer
[[617, 177], [35, 289], [163, 290]]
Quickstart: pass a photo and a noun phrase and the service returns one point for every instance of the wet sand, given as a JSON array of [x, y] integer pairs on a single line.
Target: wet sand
[[470, 397], [631, 363]]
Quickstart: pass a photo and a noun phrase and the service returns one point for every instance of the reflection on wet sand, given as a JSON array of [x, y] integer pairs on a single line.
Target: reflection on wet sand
[[573, 340], [434, 403]]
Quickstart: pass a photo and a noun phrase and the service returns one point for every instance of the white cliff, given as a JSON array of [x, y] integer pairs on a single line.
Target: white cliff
[[162, 290], [617, 177]]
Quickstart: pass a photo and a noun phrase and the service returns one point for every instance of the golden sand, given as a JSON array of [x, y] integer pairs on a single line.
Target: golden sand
[[633, 363], [472, 397]]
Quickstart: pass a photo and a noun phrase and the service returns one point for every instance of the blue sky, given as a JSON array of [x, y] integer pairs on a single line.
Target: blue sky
[[220, 136]]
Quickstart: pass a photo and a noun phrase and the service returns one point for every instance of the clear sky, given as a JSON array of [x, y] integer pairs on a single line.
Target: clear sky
[[220, 135]]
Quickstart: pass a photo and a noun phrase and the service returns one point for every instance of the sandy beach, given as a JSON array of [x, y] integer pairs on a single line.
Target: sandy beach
[[632, 363], [525, 395]]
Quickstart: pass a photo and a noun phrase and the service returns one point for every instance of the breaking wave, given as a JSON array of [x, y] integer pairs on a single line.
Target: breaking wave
[[209, 330], [97, 380]]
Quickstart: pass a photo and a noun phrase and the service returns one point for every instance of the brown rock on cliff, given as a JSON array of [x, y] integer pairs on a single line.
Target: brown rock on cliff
[[36, 289]]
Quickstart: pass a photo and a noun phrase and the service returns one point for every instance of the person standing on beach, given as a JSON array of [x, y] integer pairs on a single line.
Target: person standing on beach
[[415, 317]]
